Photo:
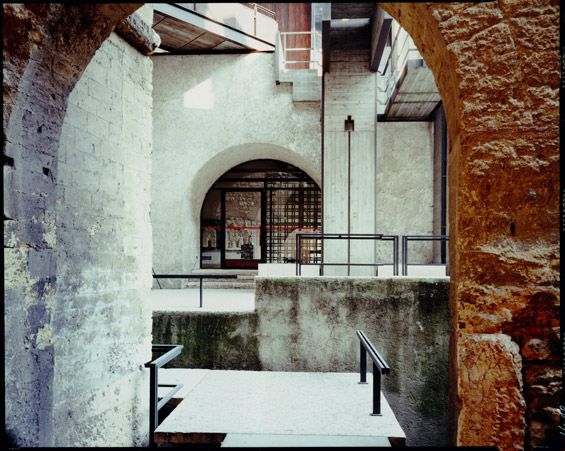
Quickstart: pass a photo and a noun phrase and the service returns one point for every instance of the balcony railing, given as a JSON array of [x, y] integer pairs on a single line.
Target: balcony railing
[[399, 52], [301, 260], [294, 56]]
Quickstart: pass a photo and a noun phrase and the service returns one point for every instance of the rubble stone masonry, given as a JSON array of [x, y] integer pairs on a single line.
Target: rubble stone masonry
[[497, 69]]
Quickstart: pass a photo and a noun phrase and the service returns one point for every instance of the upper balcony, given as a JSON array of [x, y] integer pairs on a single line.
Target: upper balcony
[[406, 86], [214, 27]]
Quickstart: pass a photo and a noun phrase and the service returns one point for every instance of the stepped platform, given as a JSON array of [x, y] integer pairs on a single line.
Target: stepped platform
[[213, 299], [275, 409]]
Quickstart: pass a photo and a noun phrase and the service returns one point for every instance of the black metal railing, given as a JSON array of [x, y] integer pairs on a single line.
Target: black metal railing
[[346, 236], [154, 403], [379, 367], [406, 238], [194, 276]]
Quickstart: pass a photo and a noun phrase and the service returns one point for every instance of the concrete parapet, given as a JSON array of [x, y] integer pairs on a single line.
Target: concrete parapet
[[308, 324]]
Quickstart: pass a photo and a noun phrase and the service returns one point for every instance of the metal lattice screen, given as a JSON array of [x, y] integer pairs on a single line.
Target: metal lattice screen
[[292, 207]]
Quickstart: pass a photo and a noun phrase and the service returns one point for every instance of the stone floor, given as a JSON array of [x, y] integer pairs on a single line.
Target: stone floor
[[264, 408]]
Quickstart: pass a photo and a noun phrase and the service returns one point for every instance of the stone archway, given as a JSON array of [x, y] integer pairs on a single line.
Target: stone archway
[[46, 49], [497, 69], [496, 66], [211, 171]]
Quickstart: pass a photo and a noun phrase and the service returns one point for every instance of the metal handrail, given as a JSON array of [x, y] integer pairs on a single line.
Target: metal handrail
[[261, 9], [154, 404], [346, 236], [312, 47], [194, 276], [379, 367], [406, 238]]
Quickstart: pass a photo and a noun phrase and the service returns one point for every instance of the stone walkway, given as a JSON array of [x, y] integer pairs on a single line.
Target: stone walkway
[[267, 408]]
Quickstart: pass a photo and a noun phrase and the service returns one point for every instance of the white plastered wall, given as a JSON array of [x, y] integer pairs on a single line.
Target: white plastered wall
[[211, 113]]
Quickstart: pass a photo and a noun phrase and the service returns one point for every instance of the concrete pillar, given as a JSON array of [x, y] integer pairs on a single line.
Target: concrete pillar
[[349, 156]]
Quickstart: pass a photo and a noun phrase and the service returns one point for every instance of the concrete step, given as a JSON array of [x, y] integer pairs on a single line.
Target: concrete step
[[223, 284], [294, 441], [213, 300], [245, 279], [270, 408]]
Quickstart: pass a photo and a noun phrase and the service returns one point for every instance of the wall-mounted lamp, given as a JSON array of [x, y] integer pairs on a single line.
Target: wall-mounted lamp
[[349, 124]]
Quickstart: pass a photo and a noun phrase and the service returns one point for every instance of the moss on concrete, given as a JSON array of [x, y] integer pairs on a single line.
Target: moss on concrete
[[212, 340]]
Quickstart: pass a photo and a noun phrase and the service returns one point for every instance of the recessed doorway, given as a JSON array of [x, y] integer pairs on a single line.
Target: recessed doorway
[[252, 213]]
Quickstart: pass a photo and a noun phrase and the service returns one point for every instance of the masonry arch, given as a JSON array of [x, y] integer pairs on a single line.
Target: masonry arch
[[482, 59], [211, 171], [502, 119]]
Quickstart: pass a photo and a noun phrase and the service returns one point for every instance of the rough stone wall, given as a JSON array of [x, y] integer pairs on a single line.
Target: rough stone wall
[[405, 173], [309, 324], [46, 49], [211, 113], [496, 65], [104, 259]]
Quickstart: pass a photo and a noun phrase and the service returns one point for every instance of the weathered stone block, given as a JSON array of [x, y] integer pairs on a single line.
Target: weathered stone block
[[495, 415]]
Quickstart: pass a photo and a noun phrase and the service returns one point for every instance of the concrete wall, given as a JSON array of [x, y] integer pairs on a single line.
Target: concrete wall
[[405, 186], [101, 329], [211, 113], [439, 130], [309, 324], [349, 158]]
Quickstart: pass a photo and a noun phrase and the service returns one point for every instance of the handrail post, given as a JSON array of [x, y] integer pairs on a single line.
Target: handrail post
[[296, 257], [201, 281], [363, 364], [299, 255], [404, 255], [395, 255], [153, 400], [376, 391], [254, 19]]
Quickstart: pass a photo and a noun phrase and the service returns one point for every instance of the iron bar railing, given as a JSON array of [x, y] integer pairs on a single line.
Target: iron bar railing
[[346, 236], [154, 404], [315, 51], [406, 238], [195, 276], [379, 367]]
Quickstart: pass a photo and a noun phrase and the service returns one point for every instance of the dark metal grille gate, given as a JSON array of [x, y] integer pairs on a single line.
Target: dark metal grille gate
[[291, 204]]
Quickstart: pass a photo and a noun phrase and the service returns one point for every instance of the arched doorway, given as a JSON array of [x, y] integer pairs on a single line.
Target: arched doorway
[[250, 212]]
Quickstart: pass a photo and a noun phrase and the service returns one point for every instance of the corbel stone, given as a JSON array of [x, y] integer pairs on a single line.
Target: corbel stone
[[139, 34]]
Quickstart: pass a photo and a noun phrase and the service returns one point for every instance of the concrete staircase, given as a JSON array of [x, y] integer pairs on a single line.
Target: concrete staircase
[[245, 279], [306, 84]]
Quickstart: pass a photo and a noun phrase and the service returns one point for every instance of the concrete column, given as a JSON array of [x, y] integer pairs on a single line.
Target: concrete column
[[349, 157]]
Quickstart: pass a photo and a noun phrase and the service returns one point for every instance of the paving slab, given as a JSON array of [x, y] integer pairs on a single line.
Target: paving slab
[[266, 403], [189, 379], [306, 441]]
